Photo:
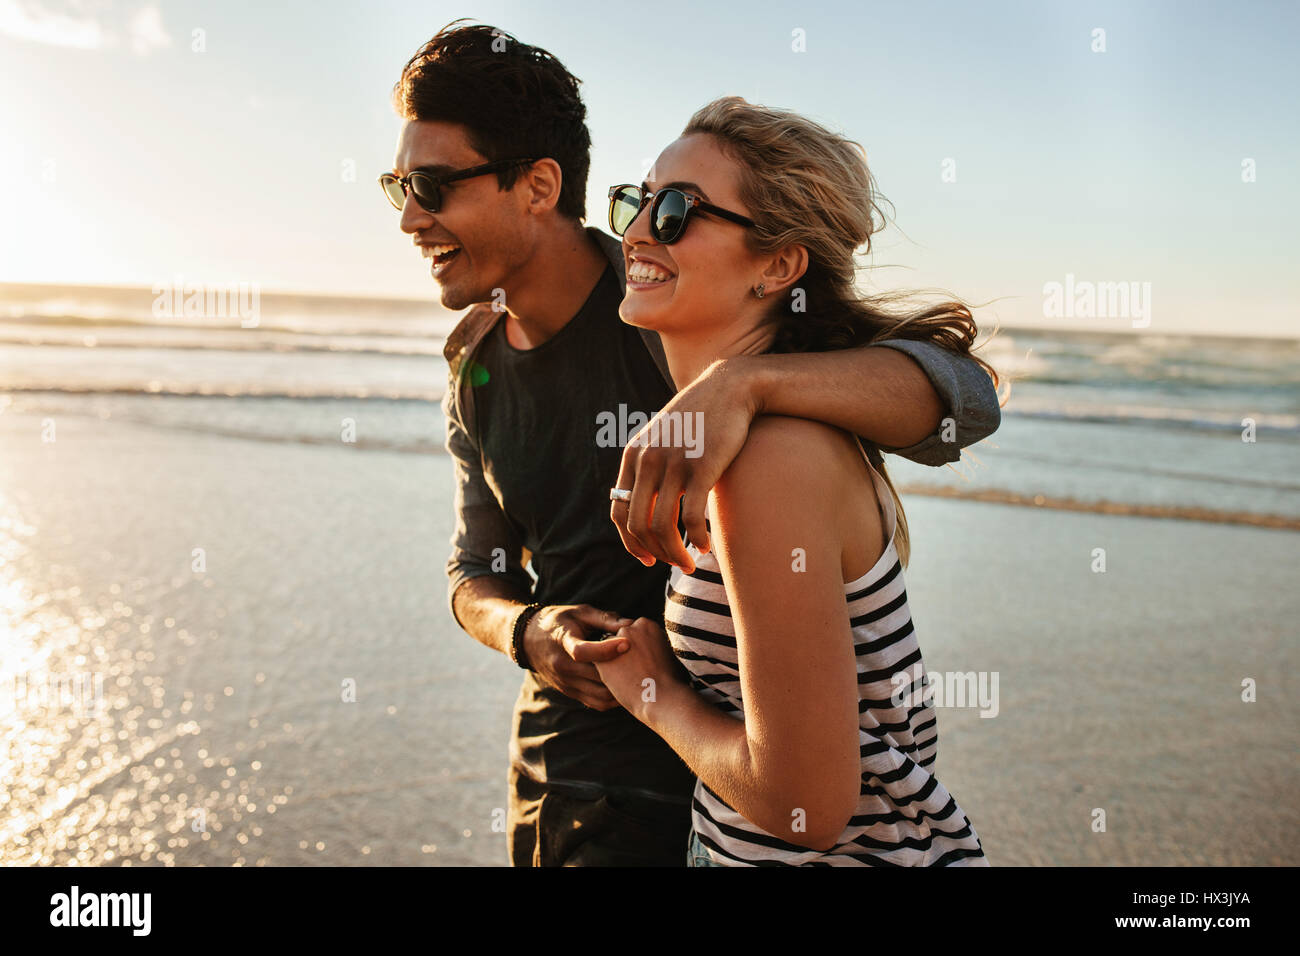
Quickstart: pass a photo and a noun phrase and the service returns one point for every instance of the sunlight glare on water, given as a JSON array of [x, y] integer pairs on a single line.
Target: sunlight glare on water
[[97, 768]]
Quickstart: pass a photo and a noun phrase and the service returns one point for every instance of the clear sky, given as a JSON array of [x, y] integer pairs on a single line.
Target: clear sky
[[128, 157]]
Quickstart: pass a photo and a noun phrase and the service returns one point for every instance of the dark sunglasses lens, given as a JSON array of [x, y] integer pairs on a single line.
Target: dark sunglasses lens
[[393, 190], [669, 215], [426, 191], [623, 207]]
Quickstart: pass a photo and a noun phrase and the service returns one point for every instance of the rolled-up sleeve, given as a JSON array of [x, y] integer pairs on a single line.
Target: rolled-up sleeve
[[967, 392], [482, 533]]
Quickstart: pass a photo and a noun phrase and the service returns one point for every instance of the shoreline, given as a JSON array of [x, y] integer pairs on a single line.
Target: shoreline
[[1117, 508], [987, 495]]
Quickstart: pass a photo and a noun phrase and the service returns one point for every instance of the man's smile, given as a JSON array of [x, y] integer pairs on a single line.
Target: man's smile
[[442, 254]]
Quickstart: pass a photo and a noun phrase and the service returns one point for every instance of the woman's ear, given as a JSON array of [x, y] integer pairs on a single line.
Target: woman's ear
[[784, 269]]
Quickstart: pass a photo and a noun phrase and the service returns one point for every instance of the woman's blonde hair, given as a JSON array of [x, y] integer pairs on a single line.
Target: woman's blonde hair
[[803, 184]]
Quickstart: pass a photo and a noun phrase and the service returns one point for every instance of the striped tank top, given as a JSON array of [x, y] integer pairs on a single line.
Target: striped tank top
[[905, 816]]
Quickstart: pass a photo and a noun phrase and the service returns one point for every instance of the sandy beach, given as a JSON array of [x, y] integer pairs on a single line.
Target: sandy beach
[[224, 690]]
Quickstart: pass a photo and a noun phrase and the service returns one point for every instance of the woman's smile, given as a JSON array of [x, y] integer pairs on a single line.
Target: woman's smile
[[644, 274]]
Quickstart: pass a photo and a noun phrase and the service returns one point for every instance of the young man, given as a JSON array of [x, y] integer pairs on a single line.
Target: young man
[[490, 176]]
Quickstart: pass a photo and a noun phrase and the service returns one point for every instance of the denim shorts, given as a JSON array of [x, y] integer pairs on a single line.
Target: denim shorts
[[697, 854]]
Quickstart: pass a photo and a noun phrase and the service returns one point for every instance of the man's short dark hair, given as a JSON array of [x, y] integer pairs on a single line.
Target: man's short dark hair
[[514, 100]]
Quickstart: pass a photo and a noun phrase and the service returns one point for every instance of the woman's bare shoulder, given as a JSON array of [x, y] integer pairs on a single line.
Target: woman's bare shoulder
[[792, 462], [780, 439], [805, 475]]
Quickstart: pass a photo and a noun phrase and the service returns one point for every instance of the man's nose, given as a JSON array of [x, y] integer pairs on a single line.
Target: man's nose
[[415, 218]]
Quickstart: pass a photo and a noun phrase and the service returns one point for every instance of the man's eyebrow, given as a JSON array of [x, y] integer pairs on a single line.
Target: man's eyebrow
[[680, 184], [435, 169]]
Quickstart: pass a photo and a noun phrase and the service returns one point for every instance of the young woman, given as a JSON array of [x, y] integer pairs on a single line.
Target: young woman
[[802, 706]]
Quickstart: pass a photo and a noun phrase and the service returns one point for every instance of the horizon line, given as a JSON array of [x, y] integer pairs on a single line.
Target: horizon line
[[1293, 336]]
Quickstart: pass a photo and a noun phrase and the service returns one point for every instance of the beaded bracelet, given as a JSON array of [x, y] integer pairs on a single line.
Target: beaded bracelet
[[517, 653]]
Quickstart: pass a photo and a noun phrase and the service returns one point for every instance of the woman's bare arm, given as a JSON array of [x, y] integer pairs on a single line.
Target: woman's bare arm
[[795, 760]]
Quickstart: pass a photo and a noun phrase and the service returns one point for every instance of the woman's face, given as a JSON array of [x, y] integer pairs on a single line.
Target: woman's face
[[705, 280]]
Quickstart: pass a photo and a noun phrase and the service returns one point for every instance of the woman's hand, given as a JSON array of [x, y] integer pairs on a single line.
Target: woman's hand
[[646, 672]]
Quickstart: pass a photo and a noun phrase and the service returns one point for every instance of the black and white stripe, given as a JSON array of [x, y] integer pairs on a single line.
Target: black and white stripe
[[905, 816]]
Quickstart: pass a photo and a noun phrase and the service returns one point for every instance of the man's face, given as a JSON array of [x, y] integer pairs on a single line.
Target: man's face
[[476, 241]]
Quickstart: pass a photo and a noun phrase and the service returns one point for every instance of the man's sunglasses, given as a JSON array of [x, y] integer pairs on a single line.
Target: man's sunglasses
[[428, 188], [669, 210]]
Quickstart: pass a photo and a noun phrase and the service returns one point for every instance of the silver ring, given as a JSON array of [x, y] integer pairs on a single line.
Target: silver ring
[[620, 494]]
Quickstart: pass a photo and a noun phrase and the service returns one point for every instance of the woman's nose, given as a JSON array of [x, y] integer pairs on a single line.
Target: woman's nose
[[638, 231]]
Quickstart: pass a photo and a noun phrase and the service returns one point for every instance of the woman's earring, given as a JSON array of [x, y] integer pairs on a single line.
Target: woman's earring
[[759, 291]]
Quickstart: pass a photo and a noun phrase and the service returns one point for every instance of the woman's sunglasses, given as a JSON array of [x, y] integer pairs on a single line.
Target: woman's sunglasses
[[669, 210], [428, 188]]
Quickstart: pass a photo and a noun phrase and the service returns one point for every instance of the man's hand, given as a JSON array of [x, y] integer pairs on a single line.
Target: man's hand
[[671, 470], [563, 642]]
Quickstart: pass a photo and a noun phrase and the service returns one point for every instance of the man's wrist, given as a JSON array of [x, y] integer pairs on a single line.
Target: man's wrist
[[749, 377], [518, 652]]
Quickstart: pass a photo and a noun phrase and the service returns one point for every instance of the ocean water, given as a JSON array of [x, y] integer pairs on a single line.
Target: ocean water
[[1145, 419], [212, 535]]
